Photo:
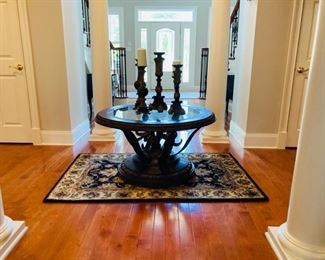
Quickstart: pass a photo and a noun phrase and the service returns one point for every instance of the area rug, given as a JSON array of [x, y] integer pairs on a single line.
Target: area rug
[[94, 177]]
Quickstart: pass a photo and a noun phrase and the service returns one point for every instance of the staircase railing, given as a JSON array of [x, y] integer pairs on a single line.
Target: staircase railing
[[204, 72], [234, 20], [85, 21], [118, 71]]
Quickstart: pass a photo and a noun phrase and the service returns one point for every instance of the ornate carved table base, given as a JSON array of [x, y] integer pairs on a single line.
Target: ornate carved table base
[[153, 136], [154, 164], [177, 170]]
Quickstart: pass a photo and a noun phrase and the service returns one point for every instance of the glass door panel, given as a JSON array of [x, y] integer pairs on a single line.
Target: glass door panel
[[165, 37]]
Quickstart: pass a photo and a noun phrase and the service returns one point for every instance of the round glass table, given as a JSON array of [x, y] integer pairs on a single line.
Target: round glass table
[[153, 137]]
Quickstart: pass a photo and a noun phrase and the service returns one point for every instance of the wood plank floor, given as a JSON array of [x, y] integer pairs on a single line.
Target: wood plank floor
[[140, 230]]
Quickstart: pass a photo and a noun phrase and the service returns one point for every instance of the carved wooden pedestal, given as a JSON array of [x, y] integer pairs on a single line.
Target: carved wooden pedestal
[[153, 138]]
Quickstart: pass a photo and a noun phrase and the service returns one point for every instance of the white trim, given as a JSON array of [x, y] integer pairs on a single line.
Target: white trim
[[65, 137], [29, 67], [214, 137], [252, 140], [272, 238], [236, 134], [289, 71], [257, 140], [80, 131], [101, 133], [120, 12], [8, 245], [282, 140], [36, 136], [287, 247], [56, 137]]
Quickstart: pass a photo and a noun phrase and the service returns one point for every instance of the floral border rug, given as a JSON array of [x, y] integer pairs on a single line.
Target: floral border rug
[[94, 177]]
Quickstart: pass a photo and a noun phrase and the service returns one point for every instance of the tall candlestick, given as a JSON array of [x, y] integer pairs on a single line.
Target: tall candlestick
[[142, 57], [176, 108], [142, 91], [158, 103]]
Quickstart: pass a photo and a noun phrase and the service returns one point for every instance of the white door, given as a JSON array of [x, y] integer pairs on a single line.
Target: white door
[[171, 31], [15, 123], [164, 37], [305, 45]]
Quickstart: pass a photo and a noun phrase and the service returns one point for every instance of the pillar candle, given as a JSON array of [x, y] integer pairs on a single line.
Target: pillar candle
[[142, 57], [177, 62]]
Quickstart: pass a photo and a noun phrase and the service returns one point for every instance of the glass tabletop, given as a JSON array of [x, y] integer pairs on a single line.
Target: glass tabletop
[[125, 114]]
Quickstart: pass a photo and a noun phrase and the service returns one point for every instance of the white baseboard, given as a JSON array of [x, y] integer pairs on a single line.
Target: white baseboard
[[65, 137], [272, 238], [7, 246], [236, 134], [252, 140], [257, 140]]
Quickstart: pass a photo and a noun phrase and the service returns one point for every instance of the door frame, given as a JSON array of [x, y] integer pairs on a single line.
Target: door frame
[[29, 71], [289, 73]]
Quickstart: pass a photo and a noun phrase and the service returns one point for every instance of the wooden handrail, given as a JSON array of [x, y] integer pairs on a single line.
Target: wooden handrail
[[234, 12], [112, 47]]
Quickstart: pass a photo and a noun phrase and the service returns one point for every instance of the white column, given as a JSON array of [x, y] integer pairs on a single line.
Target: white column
[[10, 232], [102, 86], [217, 71], [303, 235]]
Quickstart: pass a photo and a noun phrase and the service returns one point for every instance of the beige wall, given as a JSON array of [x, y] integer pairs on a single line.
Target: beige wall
[[75, 62], [46, 29], [263, 44], [270, 56], [56, 34]]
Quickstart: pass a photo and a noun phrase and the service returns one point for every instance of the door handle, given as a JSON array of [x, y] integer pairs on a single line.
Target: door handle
[[302, 69], [18, 67]]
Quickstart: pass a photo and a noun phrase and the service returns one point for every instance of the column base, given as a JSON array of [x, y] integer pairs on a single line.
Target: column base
[[286, 247], [18, 229], [214, 137], [101, 133]]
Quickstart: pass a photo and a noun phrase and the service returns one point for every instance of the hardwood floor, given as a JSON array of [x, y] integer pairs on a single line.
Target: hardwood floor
[[139, 230]]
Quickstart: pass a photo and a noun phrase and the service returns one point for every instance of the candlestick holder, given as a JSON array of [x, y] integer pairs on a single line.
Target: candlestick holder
[[176, 108], [142, 91], [158, 99]]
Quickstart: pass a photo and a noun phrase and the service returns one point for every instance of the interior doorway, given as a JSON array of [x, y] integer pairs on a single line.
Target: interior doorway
[[18, 107], [304, 51]]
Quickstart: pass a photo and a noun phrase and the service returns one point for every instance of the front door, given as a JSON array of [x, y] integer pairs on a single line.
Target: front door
[[15, 123], [164, 37], [170, 31], [305, 45]]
